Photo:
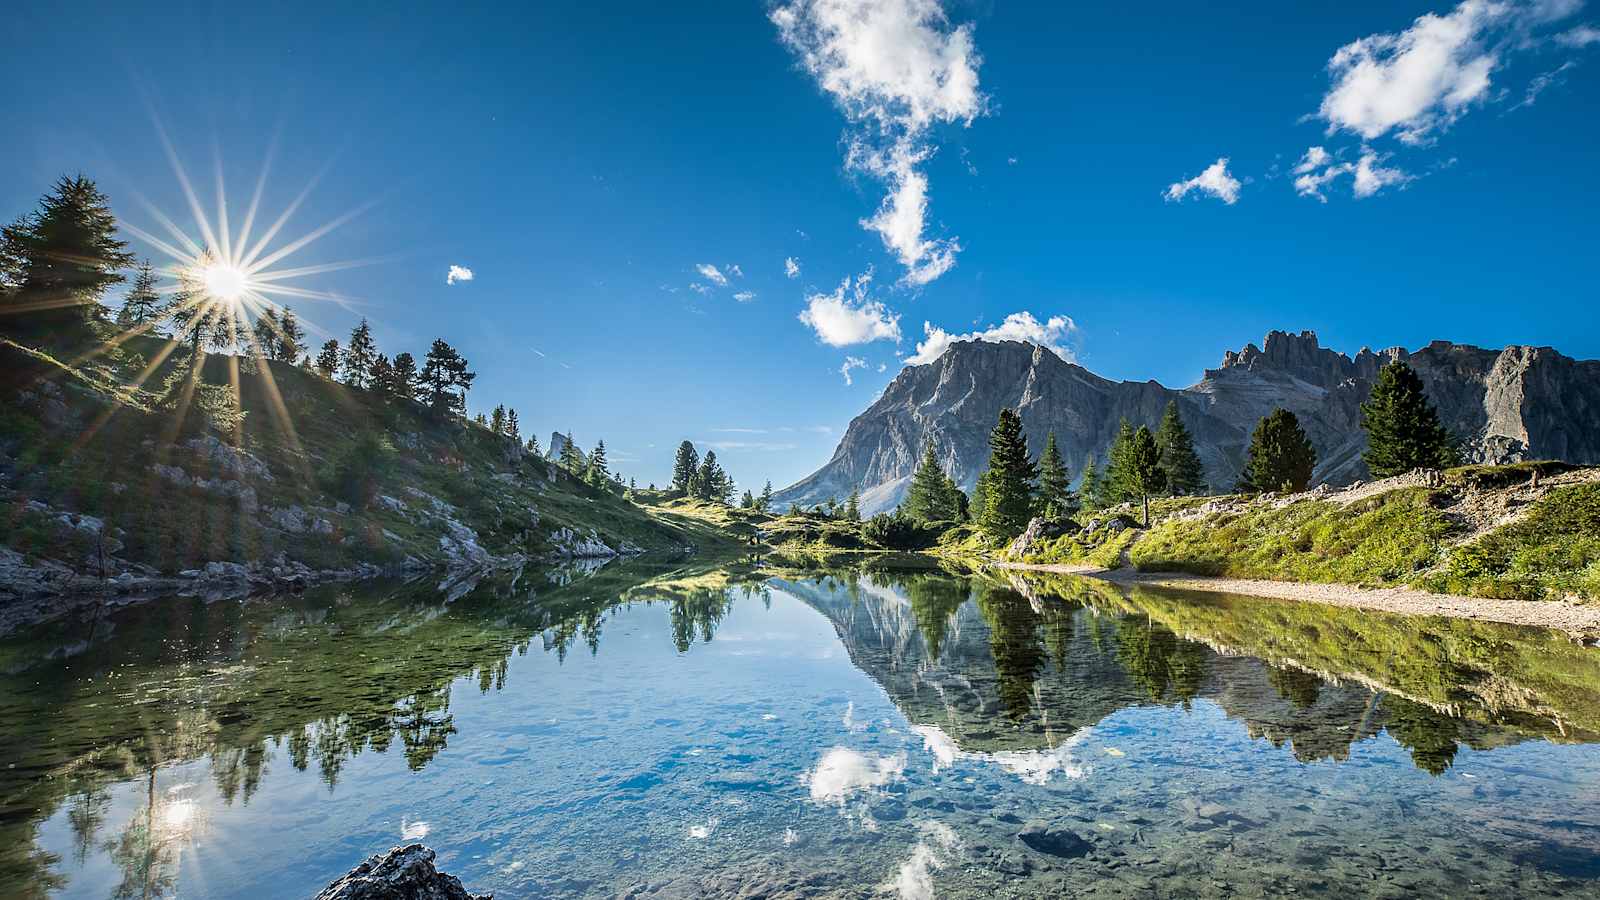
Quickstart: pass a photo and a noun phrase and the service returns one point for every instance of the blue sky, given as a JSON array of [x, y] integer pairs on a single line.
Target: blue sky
[[584, 163]]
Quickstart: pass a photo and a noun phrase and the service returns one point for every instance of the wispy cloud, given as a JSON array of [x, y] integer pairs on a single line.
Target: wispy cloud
[[851, 362], [745, 296], [895, 68], [712, 274], [1051, 334], [1215, 180], [791, 267], [458, 273], [847, 315], [752, 446], [699, 288], [1318, 168]]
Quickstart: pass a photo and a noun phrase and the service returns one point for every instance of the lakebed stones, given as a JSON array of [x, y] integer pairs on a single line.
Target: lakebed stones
[[404, 873], [1052, 840]]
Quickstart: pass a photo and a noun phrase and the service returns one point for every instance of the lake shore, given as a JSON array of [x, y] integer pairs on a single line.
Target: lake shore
[[1578, 620]]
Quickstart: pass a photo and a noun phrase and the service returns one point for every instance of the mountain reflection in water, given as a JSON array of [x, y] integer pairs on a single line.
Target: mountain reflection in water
[[1023, 677]]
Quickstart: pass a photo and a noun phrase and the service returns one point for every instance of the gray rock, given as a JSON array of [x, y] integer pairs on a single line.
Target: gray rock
[[404, 873], [1052, 840]]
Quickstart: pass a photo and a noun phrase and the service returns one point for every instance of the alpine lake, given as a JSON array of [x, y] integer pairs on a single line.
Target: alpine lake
[[640, 730]]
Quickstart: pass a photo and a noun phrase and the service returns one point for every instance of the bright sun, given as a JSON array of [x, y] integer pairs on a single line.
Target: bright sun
[[225, 282]]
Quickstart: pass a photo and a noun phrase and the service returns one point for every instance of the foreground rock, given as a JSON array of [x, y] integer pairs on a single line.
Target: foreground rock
[[404, 873]]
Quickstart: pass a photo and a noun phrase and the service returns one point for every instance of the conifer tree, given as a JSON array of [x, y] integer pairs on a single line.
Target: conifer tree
[[533, 444], [445, 379], [381, 377], [852, 506], [1281, 457], [928, 498], [748, 501], [570, 458], [1145, 475], [191, 320], [481, 420], [513, 427], [712, 481], [1091, 486], [1010, 479], [1055, 485], [358, 356], [142, 305], [684, 467], [264, 333], [405, 370], [497, 421], [1403, 427], [598, 471], [1117, 486], [764, 502], [328, 360], [291, 338], [1186, 476], [69, 254], [980, 497], [14, 256]]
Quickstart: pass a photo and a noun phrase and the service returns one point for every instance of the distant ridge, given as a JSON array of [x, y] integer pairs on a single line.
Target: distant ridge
[[1517, 403]]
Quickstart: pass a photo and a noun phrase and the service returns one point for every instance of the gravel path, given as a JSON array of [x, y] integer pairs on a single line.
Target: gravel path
[[1576, 619]]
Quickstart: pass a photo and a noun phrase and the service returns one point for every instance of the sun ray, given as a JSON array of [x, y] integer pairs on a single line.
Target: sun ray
[[292, 246], [201, 221], [222, 202]]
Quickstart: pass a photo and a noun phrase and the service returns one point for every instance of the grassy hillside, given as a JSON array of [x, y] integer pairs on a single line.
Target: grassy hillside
[[114, 460]]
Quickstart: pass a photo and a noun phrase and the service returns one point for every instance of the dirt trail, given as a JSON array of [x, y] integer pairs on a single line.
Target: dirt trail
[[1580, 621]]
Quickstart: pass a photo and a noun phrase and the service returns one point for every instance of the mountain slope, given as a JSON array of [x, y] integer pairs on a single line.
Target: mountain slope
[[1507, 405]]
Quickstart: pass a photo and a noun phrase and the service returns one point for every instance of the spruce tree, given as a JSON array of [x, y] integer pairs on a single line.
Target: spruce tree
[[142, 305], [533, 444], [955, 500], [328, 360], [1280, 457], [1118, 484], [14, 256], [292, 338], [852, 506], [748, 501], [358, 356], [1145, 475], [764, 502], [381, 377], [1403, 428], [928, 497], [1011, 473], [264, 333], [405, 370], [1091, 486], [570, 458], [513, 427], [497, 421], [712, 481], [1186, 476], [1055, 485], [598, 470], [684, 467], [69, 255]]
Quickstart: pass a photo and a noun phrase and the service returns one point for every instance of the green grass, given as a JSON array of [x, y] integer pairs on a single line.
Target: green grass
[[1387, 539], [1551, 553]]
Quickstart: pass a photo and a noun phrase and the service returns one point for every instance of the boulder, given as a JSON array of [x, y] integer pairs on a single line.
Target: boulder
[[1052, 840], [404, 873]]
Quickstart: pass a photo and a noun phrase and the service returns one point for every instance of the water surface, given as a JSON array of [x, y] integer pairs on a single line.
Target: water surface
[[634, 731]]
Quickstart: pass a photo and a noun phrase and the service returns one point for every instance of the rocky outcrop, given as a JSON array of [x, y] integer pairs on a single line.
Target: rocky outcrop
[[1506, 405], [404, 873]]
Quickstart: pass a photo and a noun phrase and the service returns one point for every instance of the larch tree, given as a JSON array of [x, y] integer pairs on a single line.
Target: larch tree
[[1186, 475], [1280, 458], [1403, 427], [1009, 502]]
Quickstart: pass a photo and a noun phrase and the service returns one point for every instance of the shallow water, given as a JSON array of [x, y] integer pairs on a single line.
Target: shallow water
[[641, 732]]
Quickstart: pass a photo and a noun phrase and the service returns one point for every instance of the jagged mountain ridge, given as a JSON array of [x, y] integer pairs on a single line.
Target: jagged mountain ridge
[[1521, 402]]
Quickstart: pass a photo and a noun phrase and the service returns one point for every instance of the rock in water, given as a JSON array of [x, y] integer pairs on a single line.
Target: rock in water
[[404, 873], [1051, 839]]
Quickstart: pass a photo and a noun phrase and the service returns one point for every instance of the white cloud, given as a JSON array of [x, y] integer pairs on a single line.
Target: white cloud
[[699, 288], [1420, 81], [1019, 326], [734, 269], [842, 772], [1544, 81], [851, 362], [896, 68], [1581, 36], [1318, 168], [712, 274], [791, 267], [745, 296], [846, 316], [1215, 181], [458, 273]]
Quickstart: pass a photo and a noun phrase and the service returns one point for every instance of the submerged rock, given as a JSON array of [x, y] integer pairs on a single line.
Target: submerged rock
[[1052, 839], [404, 873]]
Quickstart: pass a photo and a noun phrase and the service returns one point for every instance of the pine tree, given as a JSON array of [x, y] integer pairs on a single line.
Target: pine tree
[[570, 458], [328, 360], [928, 498], [14, 256], [1011, 472], [497, 421], [712, 481], [291, 338], [405, 371], [1117, 482], [513, 428], [69, 255], [264, 334], [684, 467], [1186, 476], [1280, 457], [748, 501], [764, 502], [191, 320], [1145, 475], [142, 305], [852, 506], [358, 356], [598, 472], [1091, 486], [381, 377], [1403, 427], [445, 379], [533, 444], [1055, 485]]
